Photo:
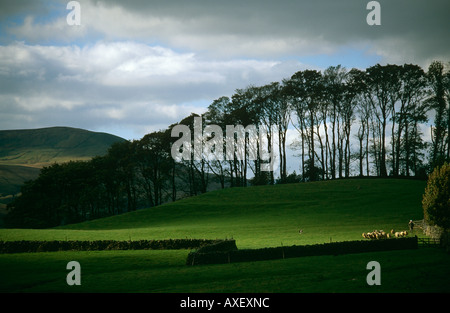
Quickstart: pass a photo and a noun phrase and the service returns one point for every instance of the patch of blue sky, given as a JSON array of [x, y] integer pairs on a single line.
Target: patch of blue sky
[[51, 10], [346, 57], [8, 22]]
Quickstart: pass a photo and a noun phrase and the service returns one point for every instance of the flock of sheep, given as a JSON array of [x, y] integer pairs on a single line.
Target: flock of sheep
[[379, 234]]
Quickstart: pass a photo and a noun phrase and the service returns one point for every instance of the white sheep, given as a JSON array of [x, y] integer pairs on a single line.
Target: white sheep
[[380, 234], [400, 234]]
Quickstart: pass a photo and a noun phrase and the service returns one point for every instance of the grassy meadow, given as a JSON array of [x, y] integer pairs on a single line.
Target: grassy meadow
[[256, 217]]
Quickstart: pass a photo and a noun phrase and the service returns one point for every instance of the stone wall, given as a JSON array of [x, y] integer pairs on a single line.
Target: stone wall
[[432, 231], [438, 233]]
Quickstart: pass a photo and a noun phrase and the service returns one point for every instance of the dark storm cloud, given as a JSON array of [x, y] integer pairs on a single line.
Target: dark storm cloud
[[410, 28]]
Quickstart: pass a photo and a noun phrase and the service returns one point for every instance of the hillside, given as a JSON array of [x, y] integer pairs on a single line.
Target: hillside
[[24, 152], [270, 215], [40, 147]]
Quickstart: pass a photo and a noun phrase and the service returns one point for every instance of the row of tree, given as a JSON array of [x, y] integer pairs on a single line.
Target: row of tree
[[372, 118]]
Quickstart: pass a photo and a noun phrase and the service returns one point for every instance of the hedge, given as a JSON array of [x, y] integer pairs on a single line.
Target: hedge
[[222, 245], [55, 245], [334, 248], [212, 250]]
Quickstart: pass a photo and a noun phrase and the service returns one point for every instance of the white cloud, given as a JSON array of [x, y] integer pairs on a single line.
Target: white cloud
[[126, 82]]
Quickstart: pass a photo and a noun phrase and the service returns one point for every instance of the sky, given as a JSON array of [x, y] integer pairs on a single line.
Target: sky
[[133, 67]]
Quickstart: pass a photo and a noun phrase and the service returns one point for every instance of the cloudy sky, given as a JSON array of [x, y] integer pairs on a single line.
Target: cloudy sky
[[132, 67]]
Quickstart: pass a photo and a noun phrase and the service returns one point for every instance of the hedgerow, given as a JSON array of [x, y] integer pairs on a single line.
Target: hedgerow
[[334, 248], [75, 245]]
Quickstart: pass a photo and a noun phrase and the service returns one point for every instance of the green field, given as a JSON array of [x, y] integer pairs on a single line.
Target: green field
[[255, 217]]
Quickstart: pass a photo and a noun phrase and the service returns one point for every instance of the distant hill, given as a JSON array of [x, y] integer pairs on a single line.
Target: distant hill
[[24, 152], [41, 147]]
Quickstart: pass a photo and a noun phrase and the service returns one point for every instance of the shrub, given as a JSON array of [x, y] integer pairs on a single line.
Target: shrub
[[436, 199]]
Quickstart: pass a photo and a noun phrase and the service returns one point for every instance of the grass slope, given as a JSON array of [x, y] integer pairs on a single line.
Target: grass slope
[[273, 215], [255, 217], [13, 176], [261, 216]]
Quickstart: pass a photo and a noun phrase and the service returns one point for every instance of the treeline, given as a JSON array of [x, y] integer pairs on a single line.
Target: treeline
[[133, 174], [349, 123]]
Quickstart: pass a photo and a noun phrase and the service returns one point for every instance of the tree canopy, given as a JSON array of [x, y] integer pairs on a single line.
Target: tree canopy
[[436, 199], [347, 123]]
